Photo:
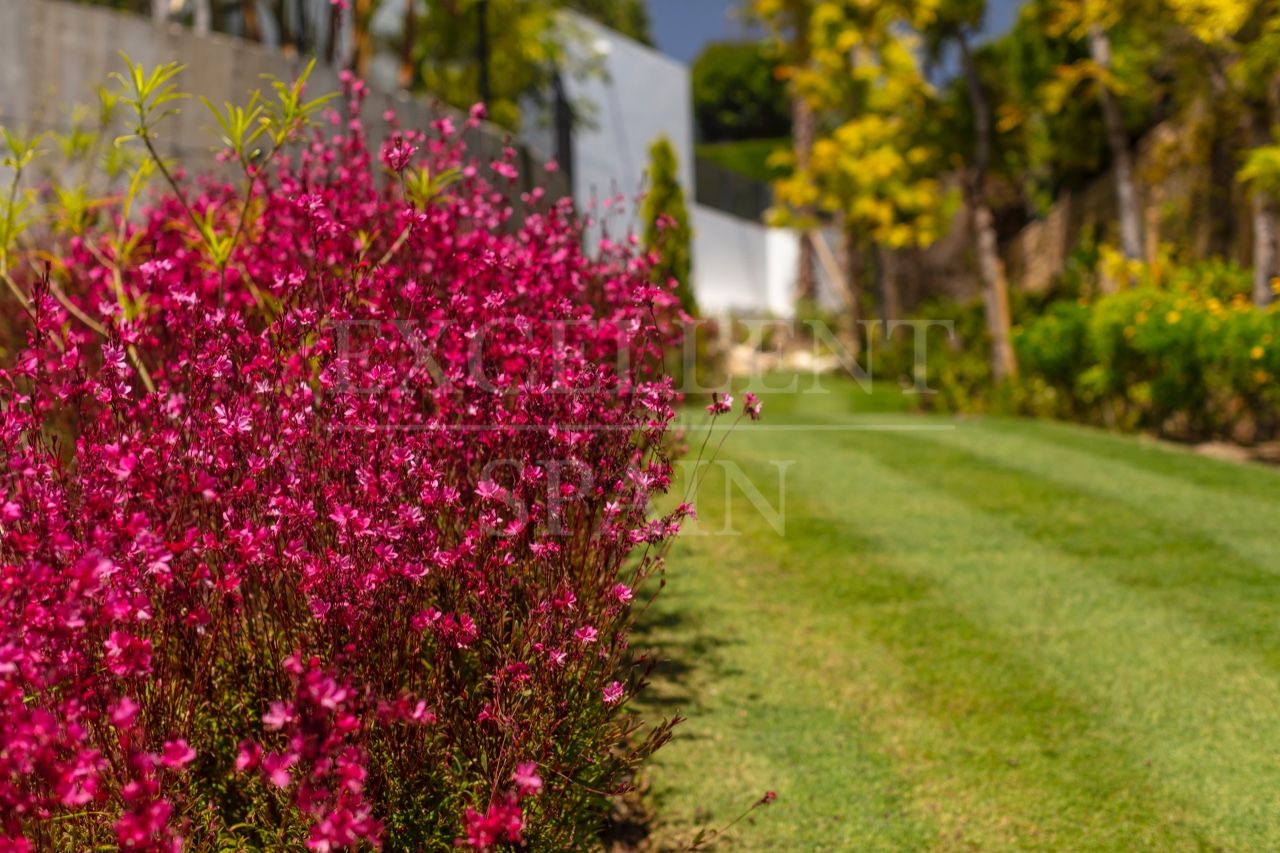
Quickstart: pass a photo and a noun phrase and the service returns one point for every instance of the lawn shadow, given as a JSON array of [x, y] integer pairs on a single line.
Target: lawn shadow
[[686, 654]]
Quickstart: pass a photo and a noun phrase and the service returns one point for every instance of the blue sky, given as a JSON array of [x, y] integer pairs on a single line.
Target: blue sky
[[682, 27]]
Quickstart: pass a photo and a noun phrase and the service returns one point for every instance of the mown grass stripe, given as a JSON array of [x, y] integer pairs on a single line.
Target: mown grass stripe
[[759, 720], [942, 634], [1205, 717], [1247, 525], [1233, 601], [1238, 479], [996, 754]]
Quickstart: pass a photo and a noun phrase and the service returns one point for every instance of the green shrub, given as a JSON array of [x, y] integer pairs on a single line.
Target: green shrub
[[1181, 352], [737, 95], [1190, 359], [666, 218]]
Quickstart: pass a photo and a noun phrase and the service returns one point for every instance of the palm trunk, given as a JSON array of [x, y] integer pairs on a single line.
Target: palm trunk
[[1121, 156], [995, 287], [407, 38], [887, 282], [1263, 214], [1004, 364], [851, 261], [802, 133], [203, 17], [1262, 206]]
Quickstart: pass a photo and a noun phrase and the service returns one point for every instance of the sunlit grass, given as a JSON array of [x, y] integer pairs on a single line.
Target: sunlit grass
[[985, 634]]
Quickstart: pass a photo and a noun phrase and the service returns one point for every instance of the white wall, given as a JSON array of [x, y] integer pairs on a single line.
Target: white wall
[[742, 267], [637, 96], [739, 266]]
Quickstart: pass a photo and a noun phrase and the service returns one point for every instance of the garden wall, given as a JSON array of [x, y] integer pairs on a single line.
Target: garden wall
[[55, 54]]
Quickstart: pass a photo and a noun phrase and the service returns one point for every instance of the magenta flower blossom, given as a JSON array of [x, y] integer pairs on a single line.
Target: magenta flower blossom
[[720, 403], [489, 490], [177, 754], [248, 756], [396, 153], [365, 500], [526, 778]]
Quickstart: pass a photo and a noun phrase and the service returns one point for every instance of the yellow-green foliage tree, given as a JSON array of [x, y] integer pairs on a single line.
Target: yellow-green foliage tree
[[789, 21], [954, 23], [867, 167], [1220, 53], [1094, 21], [1241, 42]]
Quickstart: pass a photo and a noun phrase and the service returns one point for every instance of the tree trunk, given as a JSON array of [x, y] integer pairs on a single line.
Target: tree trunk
[[410, 34], [1262, 204], [1121, 156], [995, 287], [1263, 214], [203, 18], [331, 34], [802, 132], [888, 285], [159, 11], [1004, 364], [252, 28], [851, 261], [482, 51]]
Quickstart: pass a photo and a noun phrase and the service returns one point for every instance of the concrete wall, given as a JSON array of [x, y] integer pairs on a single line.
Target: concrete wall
[[56, 54], [634, 96], [744, 268], [631, 95]]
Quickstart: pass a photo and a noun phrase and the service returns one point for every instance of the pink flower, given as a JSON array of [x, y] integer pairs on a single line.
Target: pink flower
[[124, 713], [396, 154], [127, 655], [275, 767], [279, 715], [526, 778], [177, 754], [503, 821], [720, 404], [248, 756], [286, 458], [143, 824], [489, 490]]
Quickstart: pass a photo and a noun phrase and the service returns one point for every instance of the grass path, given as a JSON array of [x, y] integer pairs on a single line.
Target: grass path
[[983, 634]]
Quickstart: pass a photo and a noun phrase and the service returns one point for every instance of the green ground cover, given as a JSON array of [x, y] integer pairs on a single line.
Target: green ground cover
[[972, 634]]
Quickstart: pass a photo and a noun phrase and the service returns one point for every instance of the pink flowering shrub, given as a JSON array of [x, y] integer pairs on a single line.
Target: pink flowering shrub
[[325, 494]]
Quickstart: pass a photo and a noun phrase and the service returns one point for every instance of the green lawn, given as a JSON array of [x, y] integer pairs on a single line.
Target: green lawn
[[973, 634], [748, 157]]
